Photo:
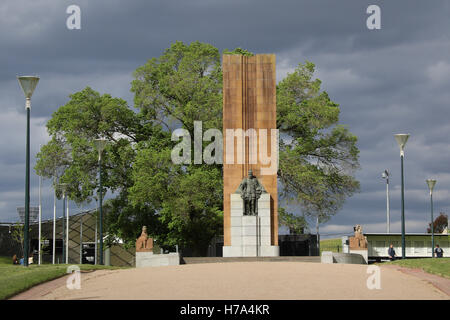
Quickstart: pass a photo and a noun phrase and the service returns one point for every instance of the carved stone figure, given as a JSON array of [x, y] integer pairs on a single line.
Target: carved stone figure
[[359, 241], [144, 243], [250, 190]]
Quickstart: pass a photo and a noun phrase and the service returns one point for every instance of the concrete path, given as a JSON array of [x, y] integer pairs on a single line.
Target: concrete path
[[241, 281]]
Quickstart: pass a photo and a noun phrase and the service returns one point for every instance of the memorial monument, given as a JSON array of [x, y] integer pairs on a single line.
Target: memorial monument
[[250, 190]]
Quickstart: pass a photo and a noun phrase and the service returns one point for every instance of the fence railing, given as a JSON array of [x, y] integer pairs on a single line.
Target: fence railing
[[332, 248]]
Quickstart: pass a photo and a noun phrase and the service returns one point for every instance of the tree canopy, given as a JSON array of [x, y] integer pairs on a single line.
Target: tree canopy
[[317, 155], [439, 224]]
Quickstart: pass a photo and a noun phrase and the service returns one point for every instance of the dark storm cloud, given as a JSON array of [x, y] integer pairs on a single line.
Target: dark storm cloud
[[386, 81]]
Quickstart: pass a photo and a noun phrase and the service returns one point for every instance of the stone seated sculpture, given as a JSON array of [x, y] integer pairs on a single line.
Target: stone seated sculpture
[[359, 241], [144, 243], [145, 256]]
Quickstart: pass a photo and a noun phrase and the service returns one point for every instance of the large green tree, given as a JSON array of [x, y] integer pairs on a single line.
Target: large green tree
[[317, 155], [181, 86], [182, 203]]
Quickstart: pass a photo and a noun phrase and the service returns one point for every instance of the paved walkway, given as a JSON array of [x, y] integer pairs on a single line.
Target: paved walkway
[[441, 283], [241, 281]]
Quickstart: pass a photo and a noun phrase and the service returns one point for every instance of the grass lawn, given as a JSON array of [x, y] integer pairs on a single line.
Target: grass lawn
[[15, 278], [333, 245], [438, 266]]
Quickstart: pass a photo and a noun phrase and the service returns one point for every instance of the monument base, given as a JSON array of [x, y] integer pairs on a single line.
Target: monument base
[[148, 259], [250, 235], [339, 257], [363, 252], [251, 251]]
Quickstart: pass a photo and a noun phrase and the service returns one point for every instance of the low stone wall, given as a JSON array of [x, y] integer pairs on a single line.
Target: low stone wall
[[349, 258], [148, 259]]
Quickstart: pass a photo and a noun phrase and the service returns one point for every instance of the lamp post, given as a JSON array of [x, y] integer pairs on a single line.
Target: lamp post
[[100, 145], [67, 229], [40, 221], [385, 175], [63, 187], [28, 84], [401, 140], [431, 183], [54, 221]]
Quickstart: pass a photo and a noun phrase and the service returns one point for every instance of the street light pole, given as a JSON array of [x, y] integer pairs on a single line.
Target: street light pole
[[431, 183], [64, 228], [28, 84], [40, 218], [64, 189], [54, 221], [67, 231], [385, 175], [401, 140], [100, 144]]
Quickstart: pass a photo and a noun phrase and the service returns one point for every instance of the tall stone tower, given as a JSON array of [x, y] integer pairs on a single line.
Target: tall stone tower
[[249, 102]]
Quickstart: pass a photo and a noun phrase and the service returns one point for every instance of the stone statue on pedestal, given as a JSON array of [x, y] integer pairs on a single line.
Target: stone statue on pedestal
[[144, 243], [250, 190], [359, 241]]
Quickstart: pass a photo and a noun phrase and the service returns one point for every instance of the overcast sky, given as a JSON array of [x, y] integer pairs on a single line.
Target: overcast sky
[[387, 81]]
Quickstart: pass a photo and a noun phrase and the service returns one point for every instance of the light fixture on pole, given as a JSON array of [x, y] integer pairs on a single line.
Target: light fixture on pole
[[385, 175], [401, 140], [431, 183], [63, 187], [100, 145], [28, 84]]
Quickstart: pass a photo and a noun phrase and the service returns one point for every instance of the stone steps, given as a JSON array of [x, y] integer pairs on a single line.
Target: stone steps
[[193, 260]]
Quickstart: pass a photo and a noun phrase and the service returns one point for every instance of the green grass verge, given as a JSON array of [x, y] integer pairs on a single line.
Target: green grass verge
[[15, 278], [333, 245], [438, 266]]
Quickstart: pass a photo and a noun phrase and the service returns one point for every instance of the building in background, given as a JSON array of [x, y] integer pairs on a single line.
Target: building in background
[[418, 245], [82, 248]]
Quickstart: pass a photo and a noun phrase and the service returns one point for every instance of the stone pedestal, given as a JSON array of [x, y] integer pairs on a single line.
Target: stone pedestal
[[250, 235], [358, 243], [148, 259], [337, 257], [363, 252]]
